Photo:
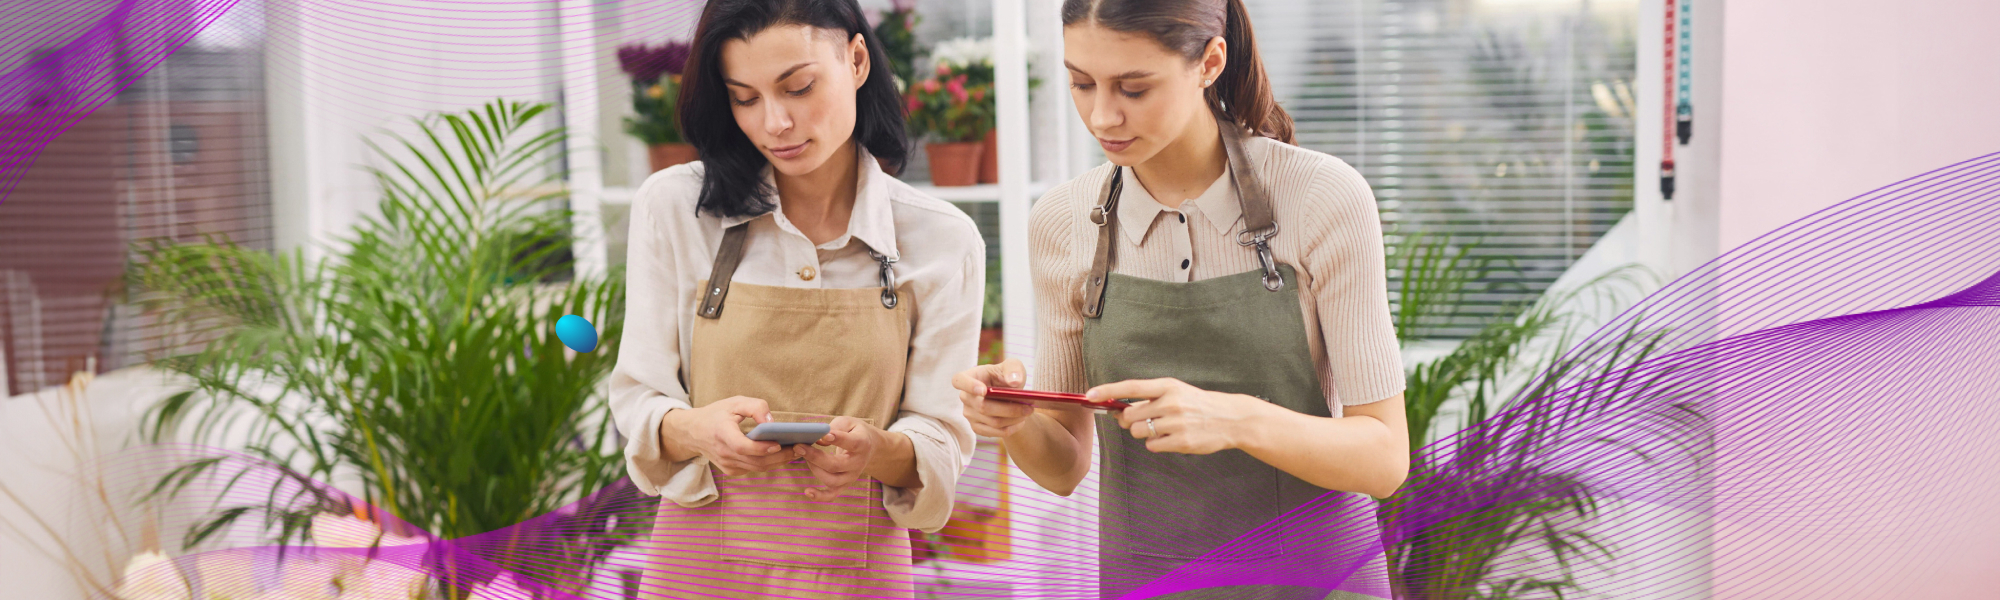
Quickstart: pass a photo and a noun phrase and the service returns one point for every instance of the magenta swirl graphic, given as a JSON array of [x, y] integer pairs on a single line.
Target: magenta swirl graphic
[[1775, 424], [1810, 415]]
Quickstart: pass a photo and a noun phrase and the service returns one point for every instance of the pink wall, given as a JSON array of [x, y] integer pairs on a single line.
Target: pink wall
[[1820, 101], [1826, 99]]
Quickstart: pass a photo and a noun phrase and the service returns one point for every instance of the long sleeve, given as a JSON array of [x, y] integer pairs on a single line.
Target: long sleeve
[[1350, 293], [944, 342], [647, 382]]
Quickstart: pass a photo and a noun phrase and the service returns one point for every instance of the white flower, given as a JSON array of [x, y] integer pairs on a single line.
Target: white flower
[[964, 51], [150, 576]]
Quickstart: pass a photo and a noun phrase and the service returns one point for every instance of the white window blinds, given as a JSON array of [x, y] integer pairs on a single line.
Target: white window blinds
[[1505, 123]]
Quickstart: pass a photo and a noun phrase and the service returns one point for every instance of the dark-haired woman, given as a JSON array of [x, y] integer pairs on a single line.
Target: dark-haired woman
[[1233, 282], [785, 277]]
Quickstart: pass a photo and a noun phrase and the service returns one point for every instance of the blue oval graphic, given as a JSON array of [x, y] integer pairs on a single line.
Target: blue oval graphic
[[577, 333]]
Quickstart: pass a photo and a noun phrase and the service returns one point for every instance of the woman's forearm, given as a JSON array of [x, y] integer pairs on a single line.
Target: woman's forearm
[[894, 460], [673, 436], [1054, 455], [1353, 453]]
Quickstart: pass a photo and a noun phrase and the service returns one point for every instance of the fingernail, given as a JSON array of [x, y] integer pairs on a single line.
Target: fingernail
[[1013, 378]]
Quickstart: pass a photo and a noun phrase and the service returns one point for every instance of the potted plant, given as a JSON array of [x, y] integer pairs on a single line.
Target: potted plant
[[973, 57], [1498, 462], [954, 112], [656, 82], [421, 351]]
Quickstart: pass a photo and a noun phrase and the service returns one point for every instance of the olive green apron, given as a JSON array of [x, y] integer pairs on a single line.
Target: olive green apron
[[812, 355], [1242, 334]]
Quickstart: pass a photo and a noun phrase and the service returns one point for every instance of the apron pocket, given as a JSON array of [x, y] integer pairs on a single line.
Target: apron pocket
[[766, 518], [1229, 493]]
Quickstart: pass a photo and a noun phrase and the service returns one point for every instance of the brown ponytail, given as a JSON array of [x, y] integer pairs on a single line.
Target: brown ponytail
[[1243, 91]]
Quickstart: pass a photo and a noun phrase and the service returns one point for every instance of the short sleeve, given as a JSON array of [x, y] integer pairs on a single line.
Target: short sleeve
[[1350, 287]]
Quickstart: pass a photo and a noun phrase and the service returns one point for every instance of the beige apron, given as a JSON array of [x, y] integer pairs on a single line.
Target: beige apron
[[812, 354]]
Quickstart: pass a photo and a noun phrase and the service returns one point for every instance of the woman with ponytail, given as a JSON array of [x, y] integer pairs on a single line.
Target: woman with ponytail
[[1230, 287]]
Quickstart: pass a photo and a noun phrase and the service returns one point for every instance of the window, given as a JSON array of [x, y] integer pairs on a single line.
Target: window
[[179, 154], [1502, 122]]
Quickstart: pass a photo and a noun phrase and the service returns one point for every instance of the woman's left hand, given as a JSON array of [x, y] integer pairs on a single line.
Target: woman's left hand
[[853, 442], [1177, 417]]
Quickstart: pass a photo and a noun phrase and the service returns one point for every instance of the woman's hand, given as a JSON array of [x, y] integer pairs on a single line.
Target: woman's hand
[[715, 432], [994, 418], [853, 442], [1177, 417]]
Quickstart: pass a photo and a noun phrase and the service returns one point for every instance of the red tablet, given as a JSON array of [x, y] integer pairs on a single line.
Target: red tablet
[[1050, 398]]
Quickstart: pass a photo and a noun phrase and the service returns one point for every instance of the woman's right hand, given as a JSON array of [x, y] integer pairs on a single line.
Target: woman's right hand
[[714, 432], [994, 418]]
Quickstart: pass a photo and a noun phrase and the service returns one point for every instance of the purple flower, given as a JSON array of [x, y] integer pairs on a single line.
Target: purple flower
[[648, 63]]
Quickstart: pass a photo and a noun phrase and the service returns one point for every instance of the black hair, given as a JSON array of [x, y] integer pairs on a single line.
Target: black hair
[[732, 181], [1185, 26]]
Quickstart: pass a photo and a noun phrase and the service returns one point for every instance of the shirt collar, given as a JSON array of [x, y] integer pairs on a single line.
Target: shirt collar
[[1137, 209], [873, 220], [1220, 204]]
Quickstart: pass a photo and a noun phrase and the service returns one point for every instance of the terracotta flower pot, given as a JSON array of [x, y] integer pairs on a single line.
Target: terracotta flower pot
[[989, 163], [666, 155], [954, 163]]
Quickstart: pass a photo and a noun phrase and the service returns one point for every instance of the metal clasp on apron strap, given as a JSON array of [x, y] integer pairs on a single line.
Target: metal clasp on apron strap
[[888, 279], [1262, 240]]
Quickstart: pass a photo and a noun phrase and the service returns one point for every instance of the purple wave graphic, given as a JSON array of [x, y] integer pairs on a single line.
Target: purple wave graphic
[[60, 84], [1809, 415], [371, 64]]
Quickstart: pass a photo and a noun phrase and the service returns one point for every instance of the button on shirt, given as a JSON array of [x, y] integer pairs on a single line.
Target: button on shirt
[[671, 250], [1141, 217]]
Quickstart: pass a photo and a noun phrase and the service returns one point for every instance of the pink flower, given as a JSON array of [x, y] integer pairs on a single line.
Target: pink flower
[[979, 94], [943, 69], [914, 105], [957, 88], [930, 86]]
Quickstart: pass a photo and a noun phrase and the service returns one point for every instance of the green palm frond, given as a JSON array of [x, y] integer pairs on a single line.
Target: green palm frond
[[420, 358], [1459, 559]]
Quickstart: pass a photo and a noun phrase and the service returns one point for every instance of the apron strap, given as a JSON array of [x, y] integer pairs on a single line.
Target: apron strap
[[730, 255], [1105, 215], [1259, 226], [1257, 219], [726, 259]]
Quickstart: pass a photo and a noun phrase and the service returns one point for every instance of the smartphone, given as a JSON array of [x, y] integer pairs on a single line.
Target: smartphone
[[1051, 399], [789, 433]]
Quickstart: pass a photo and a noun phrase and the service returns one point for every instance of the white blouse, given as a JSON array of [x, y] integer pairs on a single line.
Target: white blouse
[[939, 254]]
